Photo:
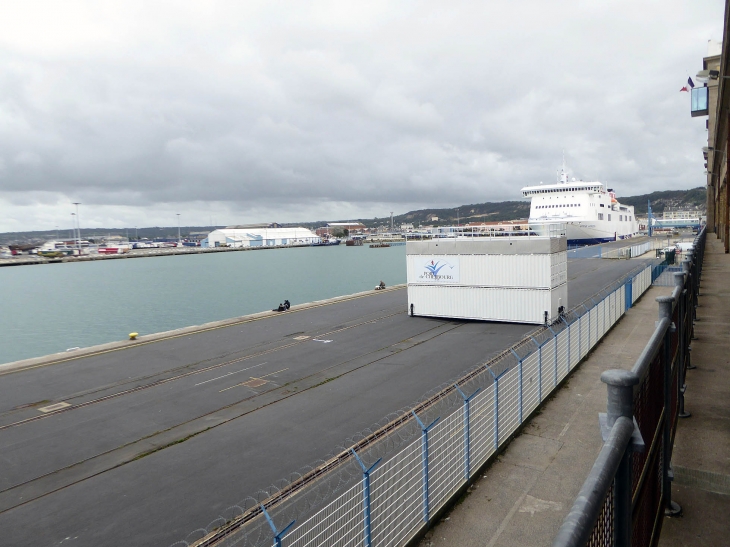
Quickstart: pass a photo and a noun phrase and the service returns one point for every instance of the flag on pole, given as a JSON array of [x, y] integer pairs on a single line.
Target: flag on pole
[[684, 89], [690, 82]]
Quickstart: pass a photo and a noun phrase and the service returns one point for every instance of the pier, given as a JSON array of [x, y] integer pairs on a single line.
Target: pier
[[141, 442]]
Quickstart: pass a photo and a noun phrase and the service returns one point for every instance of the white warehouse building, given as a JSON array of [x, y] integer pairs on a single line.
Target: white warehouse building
[[259, 235]]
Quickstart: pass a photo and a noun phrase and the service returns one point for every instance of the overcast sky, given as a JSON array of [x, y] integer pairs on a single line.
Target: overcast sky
[[252, 111]]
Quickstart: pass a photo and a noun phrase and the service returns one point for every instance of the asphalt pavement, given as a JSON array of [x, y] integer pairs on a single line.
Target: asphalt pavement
[[142, 445]]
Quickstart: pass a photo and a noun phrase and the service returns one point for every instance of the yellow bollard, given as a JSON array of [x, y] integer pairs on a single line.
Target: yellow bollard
[[133, 335]]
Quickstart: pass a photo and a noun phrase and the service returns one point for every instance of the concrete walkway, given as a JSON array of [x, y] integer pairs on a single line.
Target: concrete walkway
[[701, 460], [524, 496]]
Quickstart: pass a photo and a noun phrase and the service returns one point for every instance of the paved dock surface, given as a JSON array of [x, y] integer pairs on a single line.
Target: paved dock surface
[[526, 493], [142, 445], [701, 459], [523, 498]]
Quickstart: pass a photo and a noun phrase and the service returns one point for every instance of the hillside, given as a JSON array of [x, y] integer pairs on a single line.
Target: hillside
[[476, 212], [691, 199]]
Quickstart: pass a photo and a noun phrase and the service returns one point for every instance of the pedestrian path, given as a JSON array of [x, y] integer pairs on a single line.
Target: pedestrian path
[[701, 459], [526, 493]]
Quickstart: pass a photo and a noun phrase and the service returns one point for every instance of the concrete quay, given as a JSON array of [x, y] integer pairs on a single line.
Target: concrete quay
[[141, 444], [30, 260]]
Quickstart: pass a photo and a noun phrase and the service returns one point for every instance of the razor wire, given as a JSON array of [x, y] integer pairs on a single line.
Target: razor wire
[[325, 498]]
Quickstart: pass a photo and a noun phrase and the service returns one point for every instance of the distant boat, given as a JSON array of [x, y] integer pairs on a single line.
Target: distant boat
[[326, 242], [378, 245]]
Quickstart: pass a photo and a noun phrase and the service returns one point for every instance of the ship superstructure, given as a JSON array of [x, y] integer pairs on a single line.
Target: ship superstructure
[[590, 212]]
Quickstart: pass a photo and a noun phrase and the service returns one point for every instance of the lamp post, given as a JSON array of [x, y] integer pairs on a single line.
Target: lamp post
[[179, 241], [78, 223]]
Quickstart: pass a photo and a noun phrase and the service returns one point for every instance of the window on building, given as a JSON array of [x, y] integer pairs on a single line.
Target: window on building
[[609, 217], [600, 216], [700, 100]]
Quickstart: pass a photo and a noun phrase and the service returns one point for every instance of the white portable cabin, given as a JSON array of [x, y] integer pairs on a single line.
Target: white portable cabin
[[512, 278]]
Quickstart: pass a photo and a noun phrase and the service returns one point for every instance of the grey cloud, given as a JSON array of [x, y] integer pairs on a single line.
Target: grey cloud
[[298, 107]]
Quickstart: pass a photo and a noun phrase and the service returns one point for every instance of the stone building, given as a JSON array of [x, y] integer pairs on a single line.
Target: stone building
[[715, 73]]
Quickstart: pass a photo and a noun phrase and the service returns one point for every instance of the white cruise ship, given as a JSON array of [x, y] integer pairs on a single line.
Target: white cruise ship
[[591, 213]]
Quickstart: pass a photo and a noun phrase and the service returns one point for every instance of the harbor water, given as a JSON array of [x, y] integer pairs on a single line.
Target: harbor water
[[55, 307]]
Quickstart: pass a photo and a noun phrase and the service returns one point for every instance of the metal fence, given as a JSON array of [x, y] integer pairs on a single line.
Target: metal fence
[[388, 484], [597, 251], [628, 491]]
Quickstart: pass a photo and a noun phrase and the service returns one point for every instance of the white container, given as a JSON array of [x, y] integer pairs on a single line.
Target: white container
[[515, 280], [544, 271]]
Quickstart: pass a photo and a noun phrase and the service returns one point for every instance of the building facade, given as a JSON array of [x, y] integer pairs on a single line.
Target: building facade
[[716, 70]]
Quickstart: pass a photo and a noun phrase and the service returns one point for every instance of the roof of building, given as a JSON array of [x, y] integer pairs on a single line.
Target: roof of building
[[259, 225]]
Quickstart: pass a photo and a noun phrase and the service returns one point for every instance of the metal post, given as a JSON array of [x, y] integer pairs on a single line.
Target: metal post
[[366, 495], [580, 338], [424, 457], [467, 400], [277, 535], [671, 508], [539, 373], [555, 356], [519, 382], [620, 386], [589, 331], [682, 341], [567, 326]]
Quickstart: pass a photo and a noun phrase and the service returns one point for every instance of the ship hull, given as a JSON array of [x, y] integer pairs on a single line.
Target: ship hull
[[593, 233]]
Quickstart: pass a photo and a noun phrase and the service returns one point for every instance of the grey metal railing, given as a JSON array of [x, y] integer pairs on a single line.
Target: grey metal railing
[[628, 491]]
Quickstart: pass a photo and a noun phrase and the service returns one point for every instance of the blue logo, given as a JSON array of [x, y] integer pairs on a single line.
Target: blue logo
[[433, 271], [435, 268]]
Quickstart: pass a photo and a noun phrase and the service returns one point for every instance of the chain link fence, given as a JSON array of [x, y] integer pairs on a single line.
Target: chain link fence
[[384, 486]]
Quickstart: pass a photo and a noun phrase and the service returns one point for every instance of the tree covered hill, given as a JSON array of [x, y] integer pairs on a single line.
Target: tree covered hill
[[476, 212], [683, 199]]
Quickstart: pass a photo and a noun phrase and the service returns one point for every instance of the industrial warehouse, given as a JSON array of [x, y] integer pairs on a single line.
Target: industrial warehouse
[[259, 235]]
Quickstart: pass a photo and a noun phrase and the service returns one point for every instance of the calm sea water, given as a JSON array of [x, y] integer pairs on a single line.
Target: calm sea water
[[50, 308]]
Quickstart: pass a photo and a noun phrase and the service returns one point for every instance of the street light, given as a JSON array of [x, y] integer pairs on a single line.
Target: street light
[[78, 222], [179, 241]]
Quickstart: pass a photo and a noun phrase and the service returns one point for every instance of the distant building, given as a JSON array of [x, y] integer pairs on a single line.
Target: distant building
[[259, 235], [504, 226], [197, 236], [335, 227], [671, 214]]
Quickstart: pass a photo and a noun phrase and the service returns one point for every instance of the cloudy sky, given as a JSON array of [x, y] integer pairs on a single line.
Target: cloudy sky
[[249, 111]]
